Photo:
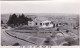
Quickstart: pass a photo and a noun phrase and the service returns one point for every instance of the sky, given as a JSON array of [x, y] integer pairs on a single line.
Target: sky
[[39, 0], [24, 0], [67, 7]]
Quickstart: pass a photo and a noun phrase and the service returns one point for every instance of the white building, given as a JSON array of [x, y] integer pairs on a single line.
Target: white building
[[40, 22]]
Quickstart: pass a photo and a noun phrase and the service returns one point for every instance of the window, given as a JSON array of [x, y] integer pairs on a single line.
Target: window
[[41, 24], [36, 23], [46, 24]]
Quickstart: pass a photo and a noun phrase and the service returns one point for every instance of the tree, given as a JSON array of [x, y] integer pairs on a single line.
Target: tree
[[1, 22], [12, 20], [15, 21], [21, 19], [26, 20]]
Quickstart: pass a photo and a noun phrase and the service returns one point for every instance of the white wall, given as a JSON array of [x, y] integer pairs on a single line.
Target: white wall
[[31, 23]]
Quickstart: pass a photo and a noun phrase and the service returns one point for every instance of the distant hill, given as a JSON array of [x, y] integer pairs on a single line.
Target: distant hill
[[50, 16]]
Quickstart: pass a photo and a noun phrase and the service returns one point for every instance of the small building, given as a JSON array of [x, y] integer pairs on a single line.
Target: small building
[[31, 23], [40, 22]]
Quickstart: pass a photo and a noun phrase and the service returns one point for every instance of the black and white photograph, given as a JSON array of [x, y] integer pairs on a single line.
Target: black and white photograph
[[25, 0], [39, 23]]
